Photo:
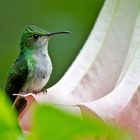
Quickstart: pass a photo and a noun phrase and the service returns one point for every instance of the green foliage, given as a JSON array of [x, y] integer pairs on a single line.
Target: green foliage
[[50, 123], [9, 128]]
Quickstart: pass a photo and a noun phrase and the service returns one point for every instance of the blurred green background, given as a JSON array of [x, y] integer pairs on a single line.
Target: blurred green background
[[53, 15]]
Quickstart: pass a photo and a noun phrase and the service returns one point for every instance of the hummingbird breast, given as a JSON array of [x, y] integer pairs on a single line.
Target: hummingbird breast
[[39, 73]]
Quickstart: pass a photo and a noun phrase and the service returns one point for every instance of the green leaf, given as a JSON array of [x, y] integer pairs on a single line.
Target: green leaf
[[52, 124], [9, 128]]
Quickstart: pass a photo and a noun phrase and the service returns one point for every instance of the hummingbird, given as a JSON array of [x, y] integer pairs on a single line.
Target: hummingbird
[[32, 69]]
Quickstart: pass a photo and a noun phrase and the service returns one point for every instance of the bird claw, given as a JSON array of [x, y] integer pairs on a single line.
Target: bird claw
[[45, 91]]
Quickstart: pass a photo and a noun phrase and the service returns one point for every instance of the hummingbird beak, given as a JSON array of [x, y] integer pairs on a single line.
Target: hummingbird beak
[[55, 33]]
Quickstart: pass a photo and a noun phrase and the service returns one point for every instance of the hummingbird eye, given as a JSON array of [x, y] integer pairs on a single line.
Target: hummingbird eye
[[36, 36]]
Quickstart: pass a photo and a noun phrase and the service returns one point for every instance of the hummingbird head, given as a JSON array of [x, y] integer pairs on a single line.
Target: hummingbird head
[[34, 37]]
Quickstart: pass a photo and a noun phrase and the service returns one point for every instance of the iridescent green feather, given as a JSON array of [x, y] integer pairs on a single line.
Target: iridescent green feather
[[19, 72]]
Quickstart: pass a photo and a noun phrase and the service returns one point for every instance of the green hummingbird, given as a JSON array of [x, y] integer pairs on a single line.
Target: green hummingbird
[[33, 67]]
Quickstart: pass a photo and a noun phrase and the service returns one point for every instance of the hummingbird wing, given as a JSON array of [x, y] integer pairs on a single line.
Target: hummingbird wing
[[17, 77]]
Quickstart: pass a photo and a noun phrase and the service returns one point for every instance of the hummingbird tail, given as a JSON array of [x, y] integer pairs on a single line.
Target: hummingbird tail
[[20, 104]]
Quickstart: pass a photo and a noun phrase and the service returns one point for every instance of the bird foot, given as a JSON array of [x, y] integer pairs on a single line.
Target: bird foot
[[45, 91]]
